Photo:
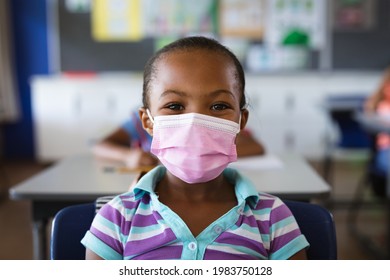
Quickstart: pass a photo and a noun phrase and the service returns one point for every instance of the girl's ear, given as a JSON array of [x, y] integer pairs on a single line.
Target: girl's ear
[[146, 122], [244, 118]]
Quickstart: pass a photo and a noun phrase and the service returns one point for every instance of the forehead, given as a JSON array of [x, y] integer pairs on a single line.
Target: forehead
[[207, 57], [203, 64]]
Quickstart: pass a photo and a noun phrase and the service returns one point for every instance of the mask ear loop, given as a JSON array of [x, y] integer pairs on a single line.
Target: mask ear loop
[[149, 115]]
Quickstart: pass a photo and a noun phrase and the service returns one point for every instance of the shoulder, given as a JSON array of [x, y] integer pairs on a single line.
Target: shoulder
[[123, 206], [268, 201], [272, 208]]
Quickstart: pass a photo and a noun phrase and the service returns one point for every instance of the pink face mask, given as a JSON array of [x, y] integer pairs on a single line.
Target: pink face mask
[[195, 148]]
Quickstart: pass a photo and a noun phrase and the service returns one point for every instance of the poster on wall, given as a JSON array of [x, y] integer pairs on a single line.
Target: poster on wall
[[178, 17], [353, 15], [116, 20], [242, 18], [132, 20], [78, 6], [286, 16]]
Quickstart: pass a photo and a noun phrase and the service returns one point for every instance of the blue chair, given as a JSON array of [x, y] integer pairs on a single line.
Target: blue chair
[[71, 223], [341, 110], [69, 226]]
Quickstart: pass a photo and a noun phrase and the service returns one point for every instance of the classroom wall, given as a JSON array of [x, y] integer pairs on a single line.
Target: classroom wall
[[28, 20]]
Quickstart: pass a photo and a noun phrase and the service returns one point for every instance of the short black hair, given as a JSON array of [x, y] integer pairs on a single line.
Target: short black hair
[[188, 44]]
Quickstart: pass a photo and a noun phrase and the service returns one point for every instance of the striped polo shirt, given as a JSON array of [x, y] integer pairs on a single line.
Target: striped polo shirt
[[135, 225]]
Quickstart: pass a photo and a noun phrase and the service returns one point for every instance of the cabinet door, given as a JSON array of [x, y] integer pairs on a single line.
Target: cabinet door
[[70, 115], [289, 113], [55, 106]]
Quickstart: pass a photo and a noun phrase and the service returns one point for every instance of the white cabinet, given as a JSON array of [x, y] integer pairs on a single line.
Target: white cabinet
[[285, 113], [70, 114]]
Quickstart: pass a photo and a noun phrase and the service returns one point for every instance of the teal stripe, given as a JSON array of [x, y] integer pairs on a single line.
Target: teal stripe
[[263, 211], [290, 249], [146, 207], [248, 228], [243, 229], [283, 223], [100, 248], [114, 228], [142, 230]]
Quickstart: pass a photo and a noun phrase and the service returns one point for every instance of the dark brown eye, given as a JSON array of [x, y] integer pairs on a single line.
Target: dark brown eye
[[175, 107], [219, 107]]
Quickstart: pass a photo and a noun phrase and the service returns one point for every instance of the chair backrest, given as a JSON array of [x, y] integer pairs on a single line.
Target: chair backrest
[[68, 228], [71, 223], [352, 135], [317, 224]]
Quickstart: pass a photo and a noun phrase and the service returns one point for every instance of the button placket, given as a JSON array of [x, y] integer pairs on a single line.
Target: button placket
[[192, 246], [217, 229]]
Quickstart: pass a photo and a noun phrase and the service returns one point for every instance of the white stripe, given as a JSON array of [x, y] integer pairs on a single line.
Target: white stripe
[[259, 217], [286, 229], [227, 249], [248, 234], [148, 234], [143, 212], [106, 230]]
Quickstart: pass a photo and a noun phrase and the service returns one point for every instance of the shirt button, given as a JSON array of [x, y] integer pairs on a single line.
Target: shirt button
[[192, 246], [218, 229]]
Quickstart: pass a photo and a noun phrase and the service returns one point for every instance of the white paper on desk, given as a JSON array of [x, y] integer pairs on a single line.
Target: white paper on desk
[[263, 162]]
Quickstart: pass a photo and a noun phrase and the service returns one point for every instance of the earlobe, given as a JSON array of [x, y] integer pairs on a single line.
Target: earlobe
[[147, 124]]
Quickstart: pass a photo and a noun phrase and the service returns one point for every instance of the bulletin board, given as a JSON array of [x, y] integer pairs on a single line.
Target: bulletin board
[[78, 51], [365, 48], [81, 50]]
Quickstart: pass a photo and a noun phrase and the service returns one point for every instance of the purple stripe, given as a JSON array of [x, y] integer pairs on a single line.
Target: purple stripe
[[130, 204], [140, 220], [164, 253], [111, 242], [229, 238], [282, 240], [250, 221], [149, 244], [218, 255], [263, 227], [267, 195], [115, 216], [263, 204], [146, 199], [280, 213]]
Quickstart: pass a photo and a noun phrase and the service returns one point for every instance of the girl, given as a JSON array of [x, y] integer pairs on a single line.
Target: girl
[[193, 206]]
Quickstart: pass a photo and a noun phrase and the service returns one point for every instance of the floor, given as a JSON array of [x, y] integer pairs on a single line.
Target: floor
[[15, 224]]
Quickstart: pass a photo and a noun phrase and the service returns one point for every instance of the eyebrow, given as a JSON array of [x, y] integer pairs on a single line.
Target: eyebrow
[[222, 91], [213, 93], [172, 91]]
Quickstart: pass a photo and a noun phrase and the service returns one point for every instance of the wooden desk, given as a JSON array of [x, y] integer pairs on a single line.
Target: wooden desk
[[83, 179]]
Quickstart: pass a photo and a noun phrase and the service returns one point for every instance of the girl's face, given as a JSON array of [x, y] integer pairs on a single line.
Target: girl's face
[[197, 81]]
